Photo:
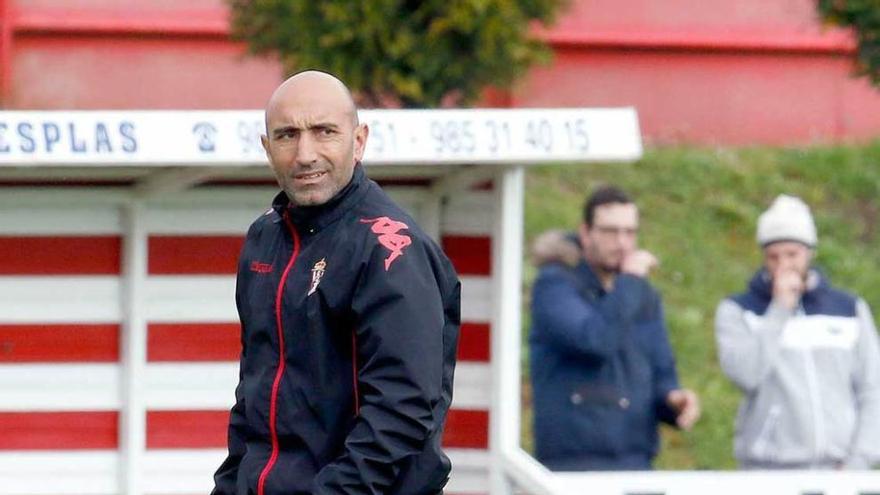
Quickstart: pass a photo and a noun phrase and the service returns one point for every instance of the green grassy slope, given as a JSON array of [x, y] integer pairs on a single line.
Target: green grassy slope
[[699, 208]]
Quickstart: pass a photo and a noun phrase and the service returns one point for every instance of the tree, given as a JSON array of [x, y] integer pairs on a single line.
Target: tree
[[863, 16], [413, 52]]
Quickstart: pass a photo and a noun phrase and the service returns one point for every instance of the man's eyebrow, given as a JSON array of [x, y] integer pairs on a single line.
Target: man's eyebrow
[[324, 125], [318, 125], [283, 130]]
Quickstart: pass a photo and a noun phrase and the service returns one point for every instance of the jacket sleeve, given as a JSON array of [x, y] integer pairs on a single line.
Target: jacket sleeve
[[663, 366], [748, 345], [565, 320], [399, 341], [865, 450], [226, 477]]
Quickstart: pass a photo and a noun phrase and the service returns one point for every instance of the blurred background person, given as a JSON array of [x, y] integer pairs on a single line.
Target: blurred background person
[[804, 354], [602, 369]]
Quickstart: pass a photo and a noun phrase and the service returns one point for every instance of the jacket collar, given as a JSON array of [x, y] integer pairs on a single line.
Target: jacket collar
[[589, 277], [315, 218], [761, 283]]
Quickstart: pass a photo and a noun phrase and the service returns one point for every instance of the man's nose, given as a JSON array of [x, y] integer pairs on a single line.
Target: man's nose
[[306, 152], [787, 263]]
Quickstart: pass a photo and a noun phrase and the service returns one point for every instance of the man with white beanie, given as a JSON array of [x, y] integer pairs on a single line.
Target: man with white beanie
[[804, 354]]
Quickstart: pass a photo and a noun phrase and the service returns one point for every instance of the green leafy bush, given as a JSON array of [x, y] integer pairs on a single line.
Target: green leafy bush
[[408, 52], [863, 16]]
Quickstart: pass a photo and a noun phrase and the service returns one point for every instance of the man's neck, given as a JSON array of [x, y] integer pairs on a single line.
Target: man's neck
[[606, 277]]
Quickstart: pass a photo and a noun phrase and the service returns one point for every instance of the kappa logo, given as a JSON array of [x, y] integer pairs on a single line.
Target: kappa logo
[[260, 267], [317, 275], [387, 230]]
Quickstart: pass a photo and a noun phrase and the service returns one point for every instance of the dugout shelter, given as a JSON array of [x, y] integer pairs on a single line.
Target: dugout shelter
[[119, 233]]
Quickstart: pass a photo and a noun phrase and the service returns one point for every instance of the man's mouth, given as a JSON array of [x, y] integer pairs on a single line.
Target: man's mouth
[[309, 176]]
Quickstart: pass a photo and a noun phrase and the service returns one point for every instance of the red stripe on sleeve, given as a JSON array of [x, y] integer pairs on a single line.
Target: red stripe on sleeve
[[194, 255], [59, 430], [59, 343], [61, 255]]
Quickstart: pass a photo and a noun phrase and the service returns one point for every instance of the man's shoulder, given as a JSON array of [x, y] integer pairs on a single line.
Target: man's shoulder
[[742, 298], [838, 302], [266, 218], [832, 291], [380, 214], [556, 272], [383, 228]]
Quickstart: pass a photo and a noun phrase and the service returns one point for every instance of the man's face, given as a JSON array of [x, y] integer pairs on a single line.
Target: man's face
[[788, 256], [613, 235], [312, 141]]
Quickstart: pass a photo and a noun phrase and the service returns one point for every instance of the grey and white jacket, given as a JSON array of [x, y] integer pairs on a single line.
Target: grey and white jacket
[[810, 377]]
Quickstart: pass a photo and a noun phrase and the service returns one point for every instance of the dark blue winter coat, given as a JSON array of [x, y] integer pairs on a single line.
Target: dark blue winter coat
[[350, 319], [601, 368]]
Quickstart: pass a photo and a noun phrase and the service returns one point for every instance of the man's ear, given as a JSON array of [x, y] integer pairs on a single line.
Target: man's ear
[[361, 132], [584, 234]]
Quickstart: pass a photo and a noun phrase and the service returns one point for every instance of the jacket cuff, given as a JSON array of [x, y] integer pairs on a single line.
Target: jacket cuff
[[666, 414]]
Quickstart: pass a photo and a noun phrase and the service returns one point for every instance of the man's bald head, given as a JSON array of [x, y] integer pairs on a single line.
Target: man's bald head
[[313, 139], [313, 82]]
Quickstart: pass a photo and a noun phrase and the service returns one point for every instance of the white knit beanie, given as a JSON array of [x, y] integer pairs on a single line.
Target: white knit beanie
[[787, 219]]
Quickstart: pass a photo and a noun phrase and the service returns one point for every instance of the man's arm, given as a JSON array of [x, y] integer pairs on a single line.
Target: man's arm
[[226, 476], [865, 449], [576, 326], [399, 340], [748, 350], [663, 366]]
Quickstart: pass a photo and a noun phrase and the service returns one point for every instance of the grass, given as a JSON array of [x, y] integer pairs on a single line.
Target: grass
[[699, 208]]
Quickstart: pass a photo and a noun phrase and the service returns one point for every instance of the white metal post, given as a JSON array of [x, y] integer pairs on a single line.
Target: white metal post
[[432, 213], [132, 418], [507, 239]]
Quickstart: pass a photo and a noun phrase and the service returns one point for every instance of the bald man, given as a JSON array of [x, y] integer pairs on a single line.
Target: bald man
[[349, 320]]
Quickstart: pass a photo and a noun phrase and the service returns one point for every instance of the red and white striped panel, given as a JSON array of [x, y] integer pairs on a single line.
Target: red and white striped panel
[[59, 341]]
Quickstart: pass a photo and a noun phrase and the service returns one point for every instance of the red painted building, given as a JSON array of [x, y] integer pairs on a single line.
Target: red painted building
[[97, 397], [706, 71]]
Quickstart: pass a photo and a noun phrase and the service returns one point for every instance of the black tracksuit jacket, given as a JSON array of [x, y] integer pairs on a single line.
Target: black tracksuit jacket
[[350, 317]]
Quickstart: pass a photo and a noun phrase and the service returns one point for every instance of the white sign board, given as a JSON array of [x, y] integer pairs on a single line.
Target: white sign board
[[84, 138], [495, 136]]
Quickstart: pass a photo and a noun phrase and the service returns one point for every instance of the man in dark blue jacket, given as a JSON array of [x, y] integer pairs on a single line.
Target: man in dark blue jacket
[[350, 318], [603, 373]]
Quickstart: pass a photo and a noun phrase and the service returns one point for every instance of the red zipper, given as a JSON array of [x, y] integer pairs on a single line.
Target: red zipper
[[273, 403]]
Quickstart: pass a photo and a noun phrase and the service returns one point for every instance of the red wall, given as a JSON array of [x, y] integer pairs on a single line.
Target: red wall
[[107, 54], [731, 72], [706, 71]]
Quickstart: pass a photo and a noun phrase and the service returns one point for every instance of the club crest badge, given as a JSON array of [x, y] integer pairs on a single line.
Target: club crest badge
[[317, 274]]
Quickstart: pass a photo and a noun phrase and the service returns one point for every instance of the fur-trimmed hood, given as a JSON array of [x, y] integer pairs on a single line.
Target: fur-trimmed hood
[[556, 246]]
